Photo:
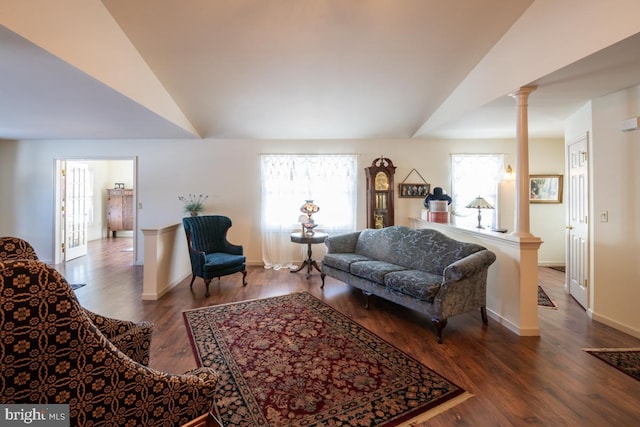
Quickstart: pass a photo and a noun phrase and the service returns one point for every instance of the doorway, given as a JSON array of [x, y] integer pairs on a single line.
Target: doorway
[[81, 203]]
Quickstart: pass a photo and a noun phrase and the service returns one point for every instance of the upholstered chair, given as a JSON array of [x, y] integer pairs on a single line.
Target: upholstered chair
[[210, 253], [16, 248], [52, 353], [132, 338]]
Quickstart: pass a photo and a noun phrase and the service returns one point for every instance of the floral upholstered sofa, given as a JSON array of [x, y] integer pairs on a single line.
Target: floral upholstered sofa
[[420, 269]]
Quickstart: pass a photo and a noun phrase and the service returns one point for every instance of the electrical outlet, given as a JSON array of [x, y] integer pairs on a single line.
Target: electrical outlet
[[604, 216], [139, 205]]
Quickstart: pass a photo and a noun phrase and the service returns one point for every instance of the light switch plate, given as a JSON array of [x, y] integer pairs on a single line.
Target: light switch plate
[[604, 216]]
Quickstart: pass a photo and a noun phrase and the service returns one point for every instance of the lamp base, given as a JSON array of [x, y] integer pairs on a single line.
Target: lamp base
[[479, 219]]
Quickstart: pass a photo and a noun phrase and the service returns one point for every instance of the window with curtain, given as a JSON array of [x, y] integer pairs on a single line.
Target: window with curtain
[[290, 179], [474, 175]]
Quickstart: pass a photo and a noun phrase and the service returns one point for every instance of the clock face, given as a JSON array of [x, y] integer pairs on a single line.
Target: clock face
[[382, 181]]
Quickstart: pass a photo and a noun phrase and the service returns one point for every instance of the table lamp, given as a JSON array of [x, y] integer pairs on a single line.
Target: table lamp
[[309, 208], [479, 203]]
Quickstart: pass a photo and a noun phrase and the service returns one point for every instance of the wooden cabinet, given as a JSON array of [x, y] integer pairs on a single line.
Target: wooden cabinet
[[380, 193], [119, 210]]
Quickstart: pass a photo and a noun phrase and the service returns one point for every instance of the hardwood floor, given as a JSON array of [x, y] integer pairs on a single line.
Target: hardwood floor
[[546, 380]]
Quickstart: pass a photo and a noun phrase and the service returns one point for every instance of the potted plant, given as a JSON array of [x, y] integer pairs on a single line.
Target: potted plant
[[193, 204]]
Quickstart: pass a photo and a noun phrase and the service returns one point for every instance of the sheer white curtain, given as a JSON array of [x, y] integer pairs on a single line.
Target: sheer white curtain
[[287, 181], [474, 175]]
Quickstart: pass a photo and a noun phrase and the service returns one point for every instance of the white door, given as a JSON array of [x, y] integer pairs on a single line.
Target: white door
[[76, 207], [578, 227]]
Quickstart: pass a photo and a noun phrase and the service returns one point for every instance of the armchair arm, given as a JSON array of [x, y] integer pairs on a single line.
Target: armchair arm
[[469, 265], [195, 256], [230, 248], [342, 243], [169, 399], [131, 338]]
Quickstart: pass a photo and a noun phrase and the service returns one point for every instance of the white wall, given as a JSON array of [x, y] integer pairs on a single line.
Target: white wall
[[227, 171], [615, 179]]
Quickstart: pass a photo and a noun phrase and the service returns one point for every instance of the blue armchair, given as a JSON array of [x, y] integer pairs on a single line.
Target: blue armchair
[[210, 253]]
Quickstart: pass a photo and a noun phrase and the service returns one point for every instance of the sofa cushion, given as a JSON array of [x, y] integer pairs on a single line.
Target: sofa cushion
[[373, 270], [424, 249], [342, 261], [415, 283]]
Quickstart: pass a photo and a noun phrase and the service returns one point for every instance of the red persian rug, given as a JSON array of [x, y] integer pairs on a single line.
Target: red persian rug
[[294, 361]]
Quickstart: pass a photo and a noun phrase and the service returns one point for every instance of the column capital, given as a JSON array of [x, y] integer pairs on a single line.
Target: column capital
[[523, 92]]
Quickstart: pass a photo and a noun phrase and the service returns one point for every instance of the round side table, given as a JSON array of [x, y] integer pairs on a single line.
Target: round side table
[[308, 240]]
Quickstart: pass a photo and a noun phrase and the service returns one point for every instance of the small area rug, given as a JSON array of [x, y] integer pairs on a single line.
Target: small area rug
[[558, 268], [626, 360], [293, 360], [544, 300], [76, 286]]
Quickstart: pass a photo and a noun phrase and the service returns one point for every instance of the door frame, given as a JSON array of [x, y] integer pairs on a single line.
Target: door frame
[[80, 247], [569, 255], [57, 226]]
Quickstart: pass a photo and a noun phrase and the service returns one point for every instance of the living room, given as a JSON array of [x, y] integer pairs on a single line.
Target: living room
[[227, 168]]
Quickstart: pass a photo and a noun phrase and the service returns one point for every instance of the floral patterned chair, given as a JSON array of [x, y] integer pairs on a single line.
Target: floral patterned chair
[[132, 338], [52, 353]]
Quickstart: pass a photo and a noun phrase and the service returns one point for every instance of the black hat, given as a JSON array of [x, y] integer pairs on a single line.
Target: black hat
[[438, 194]]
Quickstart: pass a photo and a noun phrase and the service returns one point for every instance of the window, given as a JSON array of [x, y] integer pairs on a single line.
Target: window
[[287, 181], [474, 175]]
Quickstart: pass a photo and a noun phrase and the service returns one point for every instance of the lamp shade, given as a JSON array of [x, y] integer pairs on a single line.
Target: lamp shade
[[479, 203], [309, 207]]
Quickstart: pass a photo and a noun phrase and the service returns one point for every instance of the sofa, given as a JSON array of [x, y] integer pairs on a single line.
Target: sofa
[[423, 270]]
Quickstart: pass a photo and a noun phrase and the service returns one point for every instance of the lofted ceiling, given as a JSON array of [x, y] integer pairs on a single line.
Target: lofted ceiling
[[300, 69]]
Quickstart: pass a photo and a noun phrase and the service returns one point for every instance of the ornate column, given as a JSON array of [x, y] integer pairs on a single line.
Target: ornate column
[[521, 226], [528, 244]]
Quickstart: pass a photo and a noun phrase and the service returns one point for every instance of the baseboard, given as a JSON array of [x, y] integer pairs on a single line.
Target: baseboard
[[157, 295], [551, 263], [615, 325], [530, 332]]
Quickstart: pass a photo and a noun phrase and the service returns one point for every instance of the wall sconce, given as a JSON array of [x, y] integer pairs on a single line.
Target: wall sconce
[[508, 173]]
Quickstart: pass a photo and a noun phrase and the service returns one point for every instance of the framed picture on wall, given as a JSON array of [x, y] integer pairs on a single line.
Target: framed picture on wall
[[414, 190], [545, 188]]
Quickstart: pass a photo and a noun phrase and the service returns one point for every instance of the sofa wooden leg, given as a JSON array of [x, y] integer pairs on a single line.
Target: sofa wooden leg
[[483, 313], [439, 324], [193, 277], [366, 299], [322, 276], [206, 284]]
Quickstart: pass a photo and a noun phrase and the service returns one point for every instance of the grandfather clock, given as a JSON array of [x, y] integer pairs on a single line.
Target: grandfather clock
[[380, 193]]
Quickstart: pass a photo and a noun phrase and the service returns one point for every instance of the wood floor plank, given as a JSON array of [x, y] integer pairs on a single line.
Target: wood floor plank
[[546, 380]]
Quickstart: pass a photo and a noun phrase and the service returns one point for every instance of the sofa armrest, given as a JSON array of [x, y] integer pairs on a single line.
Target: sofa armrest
[[469, 265], [342, 243]]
